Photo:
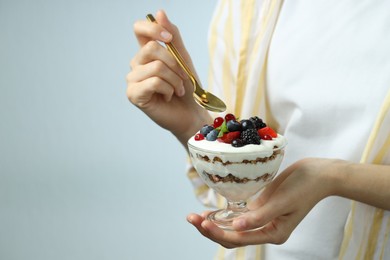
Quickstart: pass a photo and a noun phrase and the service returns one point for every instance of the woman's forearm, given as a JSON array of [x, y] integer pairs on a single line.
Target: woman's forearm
[[366, 183]]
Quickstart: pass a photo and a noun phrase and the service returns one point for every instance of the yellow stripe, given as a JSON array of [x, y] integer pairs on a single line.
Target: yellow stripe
[[260, 90], [213, 42], [192, 174], [221, 201], [379, 213], [227, 76], [348, 232], [240, 253], [386, 238], [362, 243], [382, 114], [383, 151], [264, 23], [220, 253], [374, 233], [247, 11], [201, 190], [366, 153], [259, 254]]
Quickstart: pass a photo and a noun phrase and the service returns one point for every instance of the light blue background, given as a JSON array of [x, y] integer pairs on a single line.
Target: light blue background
[[83, 173]]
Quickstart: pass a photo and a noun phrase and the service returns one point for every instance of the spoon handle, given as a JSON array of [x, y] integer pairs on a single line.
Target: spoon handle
[[172, 49]]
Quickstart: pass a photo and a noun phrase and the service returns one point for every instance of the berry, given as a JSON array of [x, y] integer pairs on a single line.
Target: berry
[[218, 122], [233, 125], [199, 137], [247, 124], [250, 136], [266, 137], [238, 143], [257, 122], [229, 137], [267, 131], [206, 129], [212, 136], [229, 117]]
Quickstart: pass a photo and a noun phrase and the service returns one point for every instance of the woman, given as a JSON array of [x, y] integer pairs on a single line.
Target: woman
[[318, 72]]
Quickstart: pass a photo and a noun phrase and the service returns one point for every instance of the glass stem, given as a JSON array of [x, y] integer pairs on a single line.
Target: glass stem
[[236, 206]]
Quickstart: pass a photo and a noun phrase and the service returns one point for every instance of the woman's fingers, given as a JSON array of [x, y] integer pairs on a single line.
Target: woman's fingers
[[145, 31], [158, 70], [153, 51], [143, 93], [275, 232]]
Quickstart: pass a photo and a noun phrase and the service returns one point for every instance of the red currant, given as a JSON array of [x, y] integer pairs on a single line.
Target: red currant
[[218, 122], [199, 137], [229, 117]]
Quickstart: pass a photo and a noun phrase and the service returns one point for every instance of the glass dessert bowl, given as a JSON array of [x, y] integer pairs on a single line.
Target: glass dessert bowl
[[236, 173]]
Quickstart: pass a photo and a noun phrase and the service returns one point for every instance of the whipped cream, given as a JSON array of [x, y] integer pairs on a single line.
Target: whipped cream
[[249, 151]]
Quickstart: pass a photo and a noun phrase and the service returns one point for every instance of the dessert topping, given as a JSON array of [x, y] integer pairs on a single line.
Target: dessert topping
[[237, 133]]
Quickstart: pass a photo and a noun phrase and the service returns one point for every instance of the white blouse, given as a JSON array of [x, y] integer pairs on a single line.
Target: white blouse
[[318, 72], [327, 76]]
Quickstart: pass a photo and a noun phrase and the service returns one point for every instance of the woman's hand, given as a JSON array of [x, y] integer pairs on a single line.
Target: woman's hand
[[280, 207], [156, 83]]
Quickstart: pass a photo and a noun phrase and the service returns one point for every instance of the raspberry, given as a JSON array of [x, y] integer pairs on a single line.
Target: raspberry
[[229, 137], [250, 136], [267, 131], [266, 137]]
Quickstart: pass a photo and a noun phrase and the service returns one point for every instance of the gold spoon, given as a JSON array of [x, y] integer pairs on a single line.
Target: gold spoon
[[201, 96]]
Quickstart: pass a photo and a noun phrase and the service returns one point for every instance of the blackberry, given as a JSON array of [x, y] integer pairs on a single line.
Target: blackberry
[[238, 143], [250, 136], [257, 122], [247, 124]]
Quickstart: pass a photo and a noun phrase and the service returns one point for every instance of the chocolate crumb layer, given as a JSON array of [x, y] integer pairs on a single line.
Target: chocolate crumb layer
[[231, 178]]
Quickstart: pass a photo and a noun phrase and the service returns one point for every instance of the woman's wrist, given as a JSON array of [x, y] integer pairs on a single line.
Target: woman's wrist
[[336, 175], [200, 119]]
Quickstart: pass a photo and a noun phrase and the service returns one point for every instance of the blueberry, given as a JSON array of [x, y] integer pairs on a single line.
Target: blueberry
[[212, 136], [247, 124], [206, 129], [233, 126]]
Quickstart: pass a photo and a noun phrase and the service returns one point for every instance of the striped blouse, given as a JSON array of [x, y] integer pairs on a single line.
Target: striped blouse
[[239, 39]]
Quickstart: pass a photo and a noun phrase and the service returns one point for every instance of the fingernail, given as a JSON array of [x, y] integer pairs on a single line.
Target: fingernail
[[166, 35]]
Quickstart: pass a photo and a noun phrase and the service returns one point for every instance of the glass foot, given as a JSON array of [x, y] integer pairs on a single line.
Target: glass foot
[[224, 218]]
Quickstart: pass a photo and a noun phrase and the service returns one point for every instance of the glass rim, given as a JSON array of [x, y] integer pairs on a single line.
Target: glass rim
[[233, 152]]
